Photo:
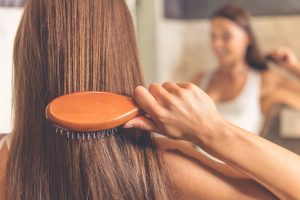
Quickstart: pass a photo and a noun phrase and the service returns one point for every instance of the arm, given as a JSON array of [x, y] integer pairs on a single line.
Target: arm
[[287, 97], [166, 144], [3, 161], [193, 180], [197, 79], [184, 111], [274, 167], [286, 58], [286, 92], [295, 69]]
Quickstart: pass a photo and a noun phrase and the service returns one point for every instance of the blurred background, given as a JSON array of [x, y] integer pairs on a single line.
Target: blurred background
[[174, 35], [174, 42], [10, 15]]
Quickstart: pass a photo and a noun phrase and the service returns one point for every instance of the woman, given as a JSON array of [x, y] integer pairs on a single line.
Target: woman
[[67, 46], [183, 111], [243, 87]]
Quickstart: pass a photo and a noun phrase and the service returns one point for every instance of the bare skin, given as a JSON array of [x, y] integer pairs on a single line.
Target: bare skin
[[229, 43], [3, 156], [196, 177], [287, 59], [183, 111], [198, 182], [275, 89]]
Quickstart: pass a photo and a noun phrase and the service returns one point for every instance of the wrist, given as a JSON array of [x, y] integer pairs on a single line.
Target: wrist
[[278, 97], [213, 134], [295, 68], [222, 141]]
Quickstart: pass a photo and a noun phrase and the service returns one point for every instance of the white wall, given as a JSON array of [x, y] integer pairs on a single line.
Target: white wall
[[170, 49], [184, 46], [9, 20], [177, 50], [147, 18]]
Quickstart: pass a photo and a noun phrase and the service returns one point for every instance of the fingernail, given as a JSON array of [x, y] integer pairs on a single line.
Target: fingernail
[[128, 126]]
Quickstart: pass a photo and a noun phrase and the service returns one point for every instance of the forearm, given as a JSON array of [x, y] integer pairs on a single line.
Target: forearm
[[296, 70], [183, 111], [288, 98], [274, 167]]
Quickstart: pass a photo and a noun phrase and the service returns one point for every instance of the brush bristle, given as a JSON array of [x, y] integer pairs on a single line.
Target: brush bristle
[[74, 135]]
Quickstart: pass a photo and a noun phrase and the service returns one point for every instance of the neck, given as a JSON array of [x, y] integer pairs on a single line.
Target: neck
[[236, 70]]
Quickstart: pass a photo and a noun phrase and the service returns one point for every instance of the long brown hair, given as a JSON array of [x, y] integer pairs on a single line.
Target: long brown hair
[[65, 46], [241, 17]]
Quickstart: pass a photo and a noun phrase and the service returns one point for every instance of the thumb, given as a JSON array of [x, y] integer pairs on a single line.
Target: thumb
[[142, 122]]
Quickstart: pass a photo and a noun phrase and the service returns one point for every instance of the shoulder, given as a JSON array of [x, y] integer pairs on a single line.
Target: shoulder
[[204, 78], [185, 152], [185, 173], [274, 81], [198, 78], [272, 77], [4, 140], [3, 151], [271, 81], [2, 135], [194, 176], [3, 160]]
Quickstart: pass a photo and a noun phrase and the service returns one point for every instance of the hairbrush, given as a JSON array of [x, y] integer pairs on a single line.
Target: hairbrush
[[87, 115]]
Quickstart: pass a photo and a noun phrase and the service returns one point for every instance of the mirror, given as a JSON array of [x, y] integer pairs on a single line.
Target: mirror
[[174, 38], [182, 47], [10, 15]]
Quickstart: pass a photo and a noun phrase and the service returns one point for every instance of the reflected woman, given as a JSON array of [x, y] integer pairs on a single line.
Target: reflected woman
[[65, 46], [243, 87]]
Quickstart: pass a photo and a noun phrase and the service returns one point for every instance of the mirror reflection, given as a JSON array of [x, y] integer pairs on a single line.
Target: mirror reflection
[[244, 55], [224, 87]]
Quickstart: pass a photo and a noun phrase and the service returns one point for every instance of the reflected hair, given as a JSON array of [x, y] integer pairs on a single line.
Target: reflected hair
[[65, 46], [241, 17]]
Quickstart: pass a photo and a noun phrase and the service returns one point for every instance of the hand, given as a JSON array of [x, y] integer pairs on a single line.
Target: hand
[[180, 111], [285, 57]]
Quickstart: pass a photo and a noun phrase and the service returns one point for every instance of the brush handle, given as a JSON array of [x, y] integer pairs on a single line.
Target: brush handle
[[91, 111]]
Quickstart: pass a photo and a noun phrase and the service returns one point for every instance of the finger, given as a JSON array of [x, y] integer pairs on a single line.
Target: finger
[[146, 101], [283, 58], [142, 122], [283, 53], [269, 54], [187, 85], [171, 87], [191, 87], [160, 93]]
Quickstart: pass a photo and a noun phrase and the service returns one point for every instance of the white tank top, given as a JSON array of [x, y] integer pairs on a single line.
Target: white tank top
[[245, 109]]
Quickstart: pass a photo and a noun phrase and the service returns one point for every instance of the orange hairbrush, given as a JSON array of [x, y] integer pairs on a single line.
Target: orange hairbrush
[[86, 115]]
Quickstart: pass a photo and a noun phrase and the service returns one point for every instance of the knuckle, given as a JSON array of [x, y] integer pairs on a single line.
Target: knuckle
[[160, 116], [149, 109], [184, 93], [168, 100], [153, 86], [180, 93], [167, 83], [174, 105], [191, 86], [170, 87]]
